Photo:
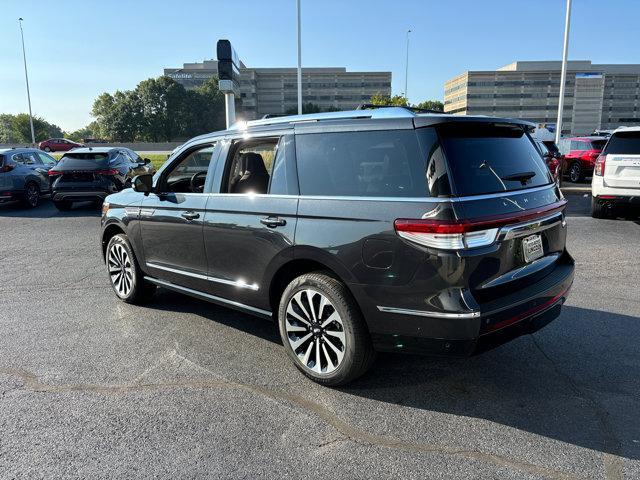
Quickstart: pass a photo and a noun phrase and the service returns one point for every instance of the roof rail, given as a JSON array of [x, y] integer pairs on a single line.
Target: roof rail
[[372, 106], [387, 112]]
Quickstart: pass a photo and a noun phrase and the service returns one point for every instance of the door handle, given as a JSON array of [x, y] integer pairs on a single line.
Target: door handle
[[190, 215], [273, 222]]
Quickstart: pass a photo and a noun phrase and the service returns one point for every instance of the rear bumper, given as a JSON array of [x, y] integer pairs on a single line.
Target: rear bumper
[[465, 333], [79, 195]]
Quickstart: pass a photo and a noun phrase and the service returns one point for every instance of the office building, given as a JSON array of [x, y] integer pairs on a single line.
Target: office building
[[275, 90], [597, 96]]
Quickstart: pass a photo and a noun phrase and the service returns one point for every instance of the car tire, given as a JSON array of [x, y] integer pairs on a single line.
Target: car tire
[[598, 209], [63, 205], [333, 353], [125, 276], [47, 149], [575, 173], [31, 195]]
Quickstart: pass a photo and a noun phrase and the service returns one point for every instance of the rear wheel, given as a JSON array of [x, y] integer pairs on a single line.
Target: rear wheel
[[598, 209], [127, 280], [31, 195], [323, 331], [575, 173], [63, 205]]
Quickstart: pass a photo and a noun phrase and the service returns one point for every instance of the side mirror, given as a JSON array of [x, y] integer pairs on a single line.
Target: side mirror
[[143, 183], [146, 161]]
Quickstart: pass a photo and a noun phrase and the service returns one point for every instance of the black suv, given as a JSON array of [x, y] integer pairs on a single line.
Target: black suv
[[362, 231]]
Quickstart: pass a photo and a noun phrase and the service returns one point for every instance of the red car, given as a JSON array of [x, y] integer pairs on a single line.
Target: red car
[[58, 145], [579, 156]]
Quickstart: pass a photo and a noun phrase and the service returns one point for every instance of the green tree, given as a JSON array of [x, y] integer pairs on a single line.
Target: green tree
[[22, 128], [7, 135], [90, 131], [163, 102], [395, 101], [435, 105]]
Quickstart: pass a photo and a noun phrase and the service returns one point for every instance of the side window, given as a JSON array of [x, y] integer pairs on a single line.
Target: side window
[[189, 173], [250, 164], [25, 158], [374, 163], [46, 159]]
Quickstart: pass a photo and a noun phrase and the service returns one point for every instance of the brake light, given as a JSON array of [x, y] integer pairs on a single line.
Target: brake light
[[54, 173], [7, 168], [599, 166], [464, 234], [109, 171]]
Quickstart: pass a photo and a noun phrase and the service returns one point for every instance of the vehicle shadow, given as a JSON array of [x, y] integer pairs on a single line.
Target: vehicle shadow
[[46, 209], [575, 381]]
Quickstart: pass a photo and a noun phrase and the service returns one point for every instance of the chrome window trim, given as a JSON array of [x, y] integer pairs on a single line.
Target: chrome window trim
[[389, 199], [207, 296], [254, 286], [426, 313]]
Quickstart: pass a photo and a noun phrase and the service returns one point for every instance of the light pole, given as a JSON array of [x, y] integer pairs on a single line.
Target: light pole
[[299, 61], [563, 73], [406, 69], [26, 77]]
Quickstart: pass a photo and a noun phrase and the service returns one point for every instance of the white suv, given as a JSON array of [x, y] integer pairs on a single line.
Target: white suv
[[616, 176]]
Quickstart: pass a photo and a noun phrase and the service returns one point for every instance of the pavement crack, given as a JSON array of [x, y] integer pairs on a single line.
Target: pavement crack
[[32, 383], [612, 456]]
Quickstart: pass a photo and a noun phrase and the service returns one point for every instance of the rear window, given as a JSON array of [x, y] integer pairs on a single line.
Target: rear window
[[491, 158], [624, 143], [598, 144], [86, 156], [371, 163]]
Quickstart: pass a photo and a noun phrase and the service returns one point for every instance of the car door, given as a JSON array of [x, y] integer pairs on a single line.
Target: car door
[[250, 220], [32, 170], [171, 219]]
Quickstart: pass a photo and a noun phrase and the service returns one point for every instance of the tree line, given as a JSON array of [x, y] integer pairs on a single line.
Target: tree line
[[157, 110]]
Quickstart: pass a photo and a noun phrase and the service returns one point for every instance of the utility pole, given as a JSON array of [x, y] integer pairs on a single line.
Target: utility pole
[[406, 70], [299, 60], [563, 73], [26, 77]]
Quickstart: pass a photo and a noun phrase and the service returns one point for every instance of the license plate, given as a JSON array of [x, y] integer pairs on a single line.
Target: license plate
[[532, 248]]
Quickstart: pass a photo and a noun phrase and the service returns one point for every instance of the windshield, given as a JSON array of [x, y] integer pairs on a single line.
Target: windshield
[[624, 143], [490, 158]]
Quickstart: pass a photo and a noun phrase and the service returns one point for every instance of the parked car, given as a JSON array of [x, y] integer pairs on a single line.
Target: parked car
[[58, 145], [363, 231], [616, 179], [552, 159], [579, 156], [23, 175], [93, 173]]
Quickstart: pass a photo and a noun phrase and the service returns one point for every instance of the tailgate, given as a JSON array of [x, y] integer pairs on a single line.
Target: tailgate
[[622, 171]]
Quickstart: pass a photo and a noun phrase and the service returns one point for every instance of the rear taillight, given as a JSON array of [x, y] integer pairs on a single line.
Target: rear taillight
[[7, 168], [599, 166], [464, 234], [109, 171], [54, 173]]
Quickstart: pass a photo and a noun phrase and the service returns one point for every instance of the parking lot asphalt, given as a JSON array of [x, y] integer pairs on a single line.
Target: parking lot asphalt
[[92, 387]]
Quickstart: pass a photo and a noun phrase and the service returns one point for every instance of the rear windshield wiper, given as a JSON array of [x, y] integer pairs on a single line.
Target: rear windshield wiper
[[522, 177]]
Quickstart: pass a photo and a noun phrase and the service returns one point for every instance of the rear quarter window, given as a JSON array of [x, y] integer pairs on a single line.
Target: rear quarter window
[[623, 143], [371, 163], [490, 158]]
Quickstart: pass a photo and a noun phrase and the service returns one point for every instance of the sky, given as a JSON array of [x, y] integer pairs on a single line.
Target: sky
[[81, 48]]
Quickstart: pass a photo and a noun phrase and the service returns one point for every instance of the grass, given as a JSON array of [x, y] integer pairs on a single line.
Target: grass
[[157, 159]]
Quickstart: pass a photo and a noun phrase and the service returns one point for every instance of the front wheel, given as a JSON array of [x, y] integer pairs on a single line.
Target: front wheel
[[127, 280], [323, 331], [31, 195], [47, 149], [575, 173]]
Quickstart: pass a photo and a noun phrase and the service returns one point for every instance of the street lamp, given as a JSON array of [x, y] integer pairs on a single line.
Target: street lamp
[[406, 71], [563, 73], [299, 60], [26, 77]]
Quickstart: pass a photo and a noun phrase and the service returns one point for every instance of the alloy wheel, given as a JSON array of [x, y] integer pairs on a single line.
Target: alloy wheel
[[575, 173], [32, 195], [120, 270], [315, 331]]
